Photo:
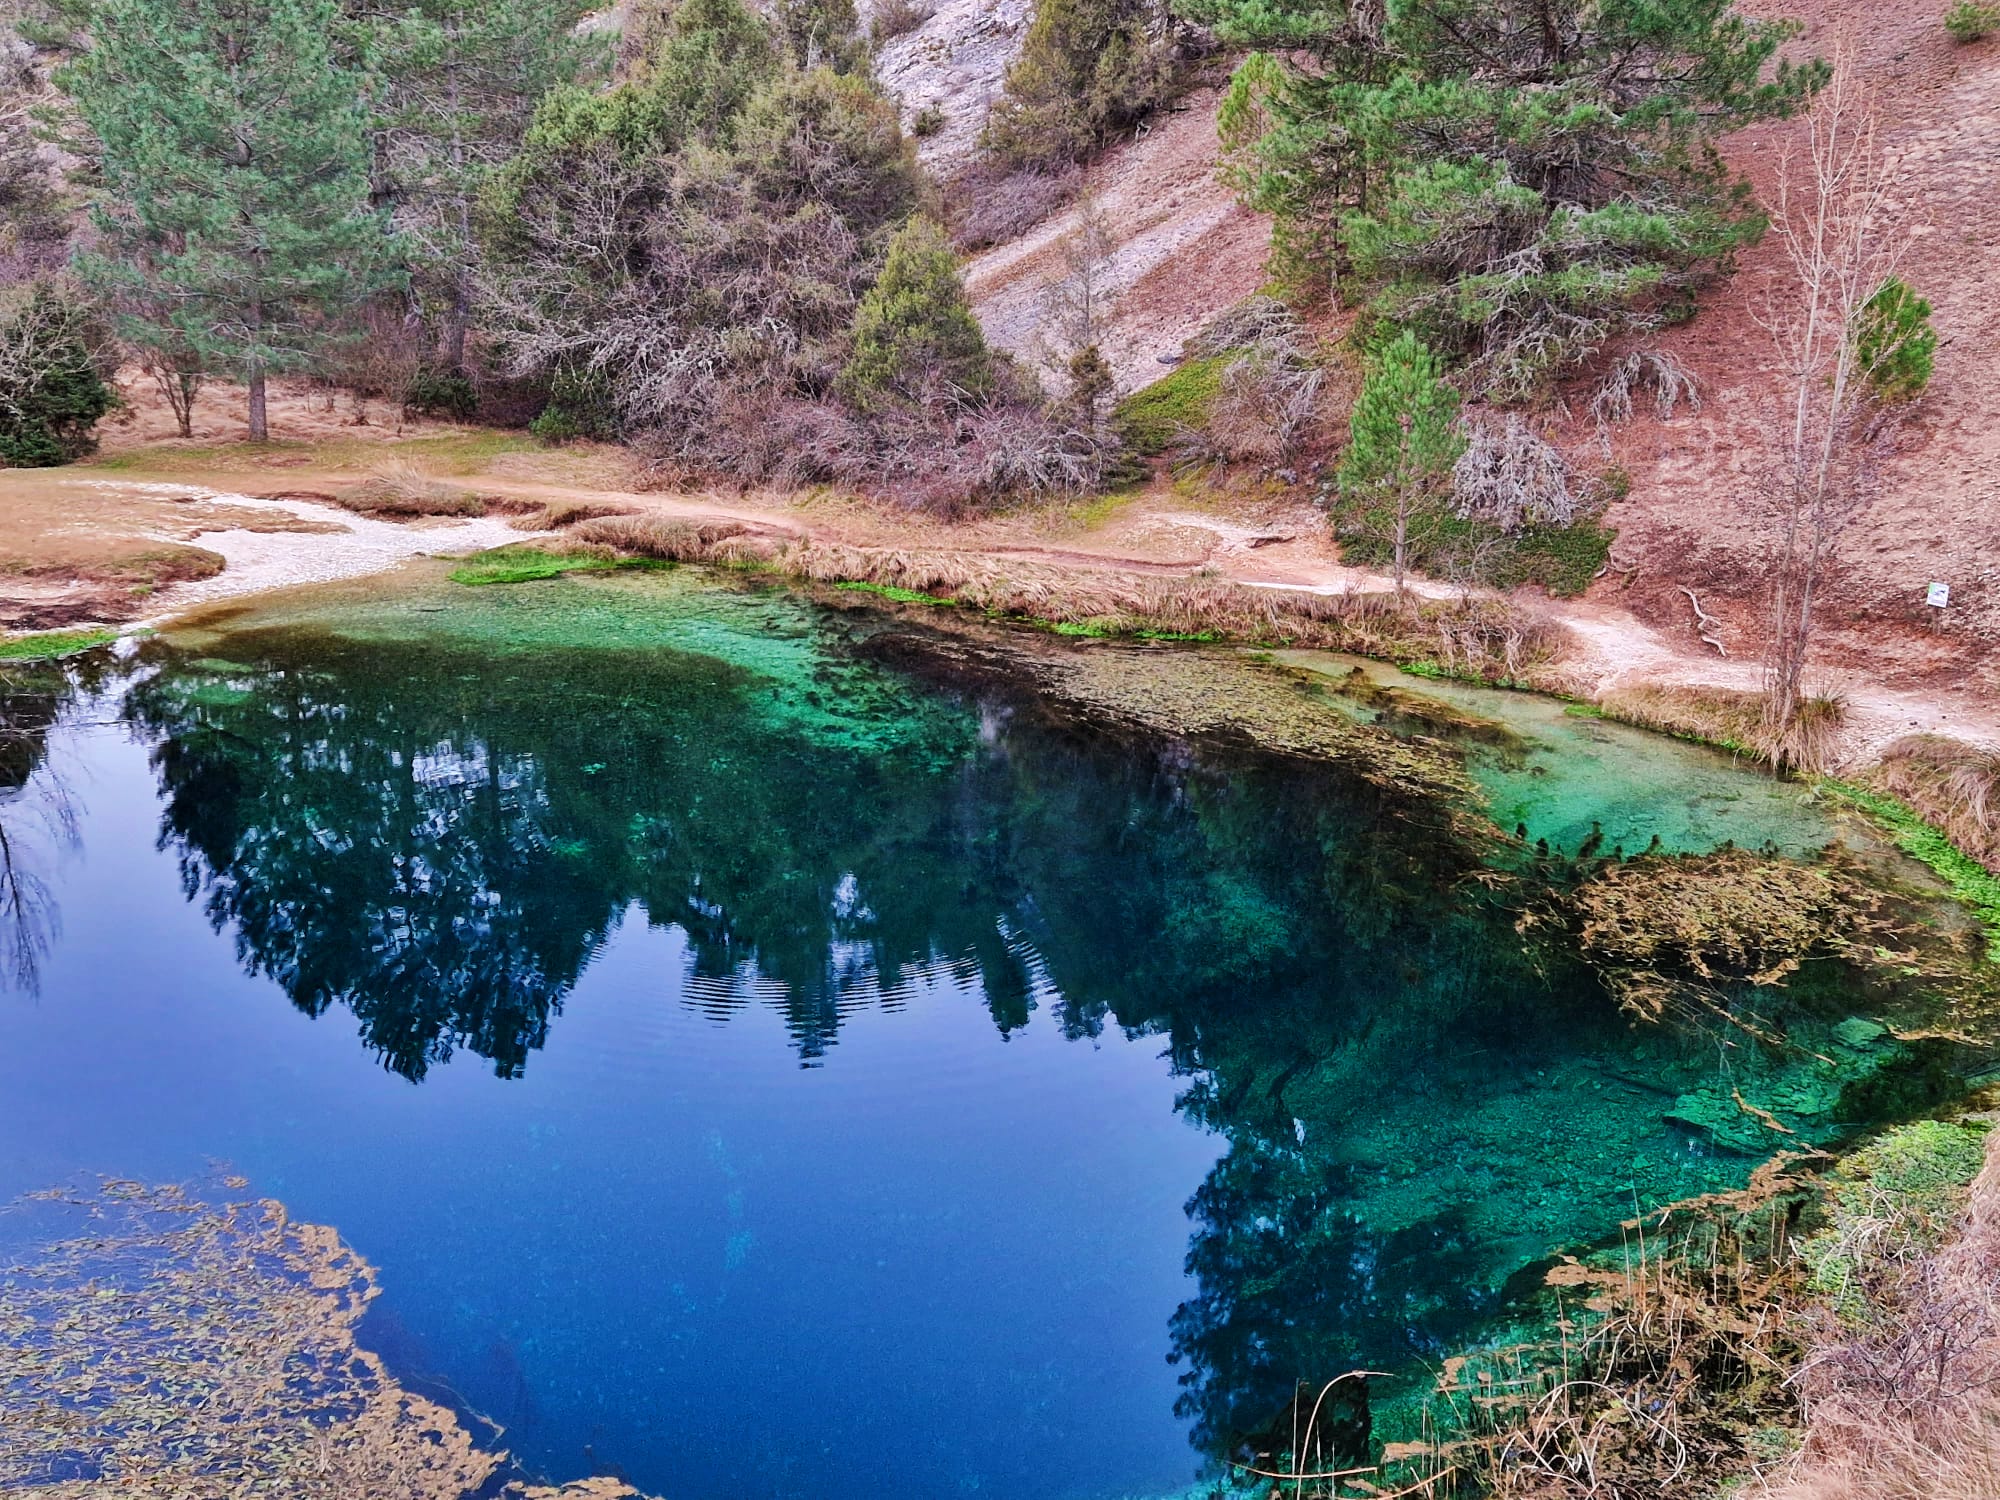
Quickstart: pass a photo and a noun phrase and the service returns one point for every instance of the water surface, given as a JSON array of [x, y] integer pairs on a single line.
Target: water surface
[[757, 1069]]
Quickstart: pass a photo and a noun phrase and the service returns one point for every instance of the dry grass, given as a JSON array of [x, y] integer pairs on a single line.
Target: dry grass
[[401, 490], [1903, 1392], [556, 515], [1955, 786], [1734, 720]]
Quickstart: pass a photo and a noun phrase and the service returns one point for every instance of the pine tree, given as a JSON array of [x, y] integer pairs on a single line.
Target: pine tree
[[233, 196], [1403, 440], [460, 81], [914, 329], [1517, 182]]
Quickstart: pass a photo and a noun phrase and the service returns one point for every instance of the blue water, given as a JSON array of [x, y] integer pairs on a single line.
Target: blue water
[[755, 1070]]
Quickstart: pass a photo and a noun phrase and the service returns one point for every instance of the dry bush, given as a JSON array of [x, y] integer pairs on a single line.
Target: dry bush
[[1953, 785], [1902, 1388], [1666, 1370], [1671, 383], [1269, 390], [893, 18], [1510, 476], [400, 490], [992, 204]]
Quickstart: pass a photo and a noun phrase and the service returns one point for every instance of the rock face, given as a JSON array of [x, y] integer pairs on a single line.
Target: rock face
[[1183, 248], [955, 64]]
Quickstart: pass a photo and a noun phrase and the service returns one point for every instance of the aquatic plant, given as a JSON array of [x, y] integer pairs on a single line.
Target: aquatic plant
[[516, 563], [1666, 929], [204, 1350]]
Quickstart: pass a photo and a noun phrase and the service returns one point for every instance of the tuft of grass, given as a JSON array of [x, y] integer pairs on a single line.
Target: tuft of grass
[[1951, 785], [1971, 883], [1151, 418], [527, 564], [47, 645]]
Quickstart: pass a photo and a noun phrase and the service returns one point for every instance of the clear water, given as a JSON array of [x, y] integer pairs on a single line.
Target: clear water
[[760, 1071]]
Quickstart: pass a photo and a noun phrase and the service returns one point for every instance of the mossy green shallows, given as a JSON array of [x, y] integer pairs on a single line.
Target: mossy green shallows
[[526, 564], [891, 591], [1971, 883], [46, 645]]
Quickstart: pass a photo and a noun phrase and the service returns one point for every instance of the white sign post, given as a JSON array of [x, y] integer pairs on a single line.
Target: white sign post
[[1938, 595]]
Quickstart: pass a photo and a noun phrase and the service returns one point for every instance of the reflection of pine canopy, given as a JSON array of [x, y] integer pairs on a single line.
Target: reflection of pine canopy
[[1415, 1100]]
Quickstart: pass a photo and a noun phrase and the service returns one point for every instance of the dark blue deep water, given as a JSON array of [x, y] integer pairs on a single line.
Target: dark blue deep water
[[760, 1069]]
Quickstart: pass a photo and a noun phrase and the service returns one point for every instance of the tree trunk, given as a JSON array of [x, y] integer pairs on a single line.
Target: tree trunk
[[259, 428], [1402, 541]]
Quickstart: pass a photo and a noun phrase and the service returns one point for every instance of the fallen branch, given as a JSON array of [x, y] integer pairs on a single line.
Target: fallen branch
[[1702, 621]]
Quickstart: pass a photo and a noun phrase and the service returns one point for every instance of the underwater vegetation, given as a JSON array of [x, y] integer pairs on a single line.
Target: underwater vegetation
[[204, 1350]]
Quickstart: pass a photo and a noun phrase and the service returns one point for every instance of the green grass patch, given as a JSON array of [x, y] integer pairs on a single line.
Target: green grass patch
[[527, 564], [46, 645], [1152, 417], [1970, 882], [890, 591]]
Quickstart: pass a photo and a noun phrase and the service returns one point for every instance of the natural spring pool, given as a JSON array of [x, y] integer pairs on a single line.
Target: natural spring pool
[[769, 1049]]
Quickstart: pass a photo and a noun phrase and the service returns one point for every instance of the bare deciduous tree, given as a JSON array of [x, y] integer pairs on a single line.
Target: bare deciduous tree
[[1838, 223]]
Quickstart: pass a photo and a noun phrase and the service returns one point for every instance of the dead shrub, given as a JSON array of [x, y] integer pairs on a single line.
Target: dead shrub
[[1509, 476], [1670, 382], [1902, 1385], [993, 204], [1953, 785]]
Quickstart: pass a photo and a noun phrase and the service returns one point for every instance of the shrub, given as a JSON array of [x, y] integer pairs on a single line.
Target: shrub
[[993, 203], [914, 333], [1969, 20], [580, 405], [1086, 69], [894, 18], [52, 391], [821, 34], [927, 122], [435, 392], [1895, 342]]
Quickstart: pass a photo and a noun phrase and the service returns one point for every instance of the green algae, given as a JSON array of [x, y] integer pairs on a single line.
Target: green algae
[[48, 645], [522, 564]]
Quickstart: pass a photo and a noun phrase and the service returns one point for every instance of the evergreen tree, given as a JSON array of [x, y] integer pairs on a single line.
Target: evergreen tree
[[232, 201], [914, 330], [1086, 68], [460, 81], [1518, 182], [1395, 476]]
